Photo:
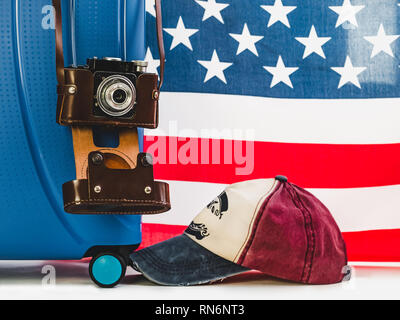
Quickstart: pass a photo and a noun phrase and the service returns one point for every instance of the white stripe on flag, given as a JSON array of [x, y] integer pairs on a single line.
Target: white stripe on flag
[[339, 121], [356, 209]]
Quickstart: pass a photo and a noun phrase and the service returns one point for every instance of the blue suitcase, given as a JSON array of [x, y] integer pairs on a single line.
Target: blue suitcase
[[37, 154]]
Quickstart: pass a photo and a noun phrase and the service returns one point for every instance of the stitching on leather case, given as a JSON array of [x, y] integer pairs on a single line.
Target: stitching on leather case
[[120, 200]]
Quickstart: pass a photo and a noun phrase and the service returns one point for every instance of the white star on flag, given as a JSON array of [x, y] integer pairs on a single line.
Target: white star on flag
[[348, 73], [278, 12], [181, 35], [215, 68], [346, 12], [153, 64], [382, 42], [281, 73], [313, 44], [246, 41], [150, 7], [212, 9]]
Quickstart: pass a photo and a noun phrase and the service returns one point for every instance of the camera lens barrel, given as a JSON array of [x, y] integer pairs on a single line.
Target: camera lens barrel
[[116, 95]]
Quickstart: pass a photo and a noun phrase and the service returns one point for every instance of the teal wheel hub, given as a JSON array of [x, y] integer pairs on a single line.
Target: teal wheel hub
[[107, 270]]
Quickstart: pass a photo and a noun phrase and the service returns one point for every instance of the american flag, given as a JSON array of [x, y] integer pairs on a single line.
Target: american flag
[[307, 89]]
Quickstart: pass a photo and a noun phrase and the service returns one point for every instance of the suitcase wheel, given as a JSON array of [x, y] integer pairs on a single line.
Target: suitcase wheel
[[107, 269]]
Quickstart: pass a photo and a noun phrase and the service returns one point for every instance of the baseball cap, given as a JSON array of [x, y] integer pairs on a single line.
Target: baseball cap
[[269, 225]]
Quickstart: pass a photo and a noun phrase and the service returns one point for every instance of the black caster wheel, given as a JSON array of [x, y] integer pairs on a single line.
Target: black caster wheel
[[107, 269]]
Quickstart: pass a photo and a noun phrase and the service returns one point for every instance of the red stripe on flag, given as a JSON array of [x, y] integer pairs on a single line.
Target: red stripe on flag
[[154, 233], [375, 245], [308, 165]]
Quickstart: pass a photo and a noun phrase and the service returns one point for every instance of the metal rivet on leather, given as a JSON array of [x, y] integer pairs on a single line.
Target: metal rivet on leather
[[71, 90], [97, 159], [147, 160]]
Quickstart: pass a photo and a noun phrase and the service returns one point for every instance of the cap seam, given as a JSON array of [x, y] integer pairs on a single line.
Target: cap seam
[[253, 220], [310, 235], [255, 226], [311, 258]]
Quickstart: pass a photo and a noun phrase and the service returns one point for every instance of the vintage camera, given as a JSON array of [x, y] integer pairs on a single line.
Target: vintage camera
[[109, 92], [115, 86]]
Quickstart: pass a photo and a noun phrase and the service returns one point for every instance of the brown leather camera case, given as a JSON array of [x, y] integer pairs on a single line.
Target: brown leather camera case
[[75, 103], [100, 194], [109, 180]]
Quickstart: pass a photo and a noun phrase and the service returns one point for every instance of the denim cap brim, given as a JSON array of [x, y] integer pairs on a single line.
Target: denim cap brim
[[180, 261]]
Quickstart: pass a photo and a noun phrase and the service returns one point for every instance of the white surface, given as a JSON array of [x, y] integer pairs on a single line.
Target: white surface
[[23, 280]]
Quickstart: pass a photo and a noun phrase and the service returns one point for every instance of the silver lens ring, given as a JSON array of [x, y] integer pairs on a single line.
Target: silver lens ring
[[116, 95]]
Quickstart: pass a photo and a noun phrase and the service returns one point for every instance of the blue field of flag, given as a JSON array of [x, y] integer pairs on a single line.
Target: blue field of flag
[[281, 48]]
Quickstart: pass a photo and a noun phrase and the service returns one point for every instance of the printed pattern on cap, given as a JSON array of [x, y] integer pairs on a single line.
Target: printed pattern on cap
[[225, 224]]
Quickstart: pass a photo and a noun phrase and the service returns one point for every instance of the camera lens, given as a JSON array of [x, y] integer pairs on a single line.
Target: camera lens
[[119, 96], [116, 95]]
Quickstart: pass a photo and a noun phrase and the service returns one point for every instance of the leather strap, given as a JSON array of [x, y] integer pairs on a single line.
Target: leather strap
[[160, 41], [124, 156], [59, 43], [60, 50]]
